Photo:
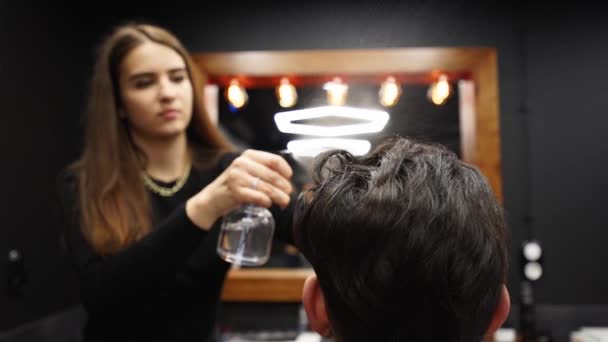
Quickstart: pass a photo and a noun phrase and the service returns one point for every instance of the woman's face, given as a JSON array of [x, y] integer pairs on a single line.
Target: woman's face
[[156, 92]]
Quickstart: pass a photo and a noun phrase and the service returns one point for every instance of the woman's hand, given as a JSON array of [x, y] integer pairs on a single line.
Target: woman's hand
[[255, 177]]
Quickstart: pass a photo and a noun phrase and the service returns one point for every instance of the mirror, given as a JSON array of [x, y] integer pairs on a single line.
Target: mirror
[[474, 69], [478, 107]]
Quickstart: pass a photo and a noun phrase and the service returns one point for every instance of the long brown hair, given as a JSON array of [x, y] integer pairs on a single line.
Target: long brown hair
[[114, 205]]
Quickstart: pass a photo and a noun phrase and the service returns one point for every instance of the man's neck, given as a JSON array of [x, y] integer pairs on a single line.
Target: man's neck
[[167, 158]]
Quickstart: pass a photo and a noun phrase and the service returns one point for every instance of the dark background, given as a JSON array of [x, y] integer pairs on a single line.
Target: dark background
[[552, 89]]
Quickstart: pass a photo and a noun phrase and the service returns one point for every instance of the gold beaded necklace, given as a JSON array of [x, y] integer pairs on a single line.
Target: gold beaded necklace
[[164, 191]]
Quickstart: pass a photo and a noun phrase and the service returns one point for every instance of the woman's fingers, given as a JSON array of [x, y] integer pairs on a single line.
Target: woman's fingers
[[270, 160], [278, 196], [255, 177], [264, 194], [271, 176], [250, 196]]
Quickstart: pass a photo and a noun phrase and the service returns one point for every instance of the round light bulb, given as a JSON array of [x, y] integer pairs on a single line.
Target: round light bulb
[[389, 92], [532, 251], [236, 94], [439, 91], [286, 93], [505, 335], [533, 271], [336, 92]]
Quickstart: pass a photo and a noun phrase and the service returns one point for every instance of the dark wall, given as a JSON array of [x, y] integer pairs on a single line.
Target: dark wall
[[565, 72], [551, 92], [39, 91]]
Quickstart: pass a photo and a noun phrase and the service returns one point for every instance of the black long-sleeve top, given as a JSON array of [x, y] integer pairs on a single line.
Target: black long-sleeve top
[[166, 286]]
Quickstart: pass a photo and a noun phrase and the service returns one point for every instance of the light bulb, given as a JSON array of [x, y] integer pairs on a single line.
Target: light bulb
[[286, 93], [336, 92], [390, 91], [236, 94], [439, 91], [532, 251], [533, 271]]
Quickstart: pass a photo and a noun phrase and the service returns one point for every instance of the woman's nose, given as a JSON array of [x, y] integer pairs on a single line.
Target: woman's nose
[[167, 89]]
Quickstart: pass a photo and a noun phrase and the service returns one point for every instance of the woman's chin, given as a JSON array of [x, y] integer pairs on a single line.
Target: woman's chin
[[172, 131]]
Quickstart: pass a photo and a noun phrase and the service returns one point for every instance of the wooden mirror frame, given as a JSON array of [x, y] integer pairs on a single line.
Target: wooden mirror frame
[[479, 120]]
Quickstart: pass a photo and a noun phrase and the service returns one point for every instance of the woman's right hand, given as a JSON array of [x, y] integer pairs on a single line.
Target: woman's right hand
[[270, 174]]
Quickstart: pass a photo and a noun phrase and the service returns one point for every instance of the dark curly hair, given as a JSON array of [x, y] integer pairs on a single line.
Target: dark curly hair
[[408, 243]]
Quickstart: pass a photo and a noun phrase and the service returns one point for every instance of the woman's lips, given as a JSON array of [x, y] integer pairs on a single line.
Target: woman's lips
[[170, 114]]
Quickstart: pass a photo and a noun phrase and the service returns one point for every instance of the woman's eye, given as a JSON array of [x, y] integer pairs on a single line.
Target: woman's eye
[[178, 78], [144, 83]]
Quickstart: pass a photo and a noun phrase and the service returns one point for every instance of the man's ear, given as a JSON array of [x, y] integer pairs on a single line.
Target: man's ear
[[314, 305], [501, 312]]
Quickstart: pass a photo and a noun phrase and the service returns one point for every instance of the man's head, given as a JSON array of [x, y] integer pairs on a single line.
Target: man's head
[[407, 243]]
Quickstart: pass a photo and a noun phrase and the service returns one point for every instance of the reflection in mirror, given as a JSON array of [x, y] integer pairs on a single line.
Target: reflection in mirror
[[471, 130], [413, 115], [255, 125], [463, 116]]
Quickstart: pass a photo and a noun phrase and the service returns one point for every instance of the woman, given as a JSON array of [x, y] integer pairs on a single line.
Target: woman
[[145, 199]]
